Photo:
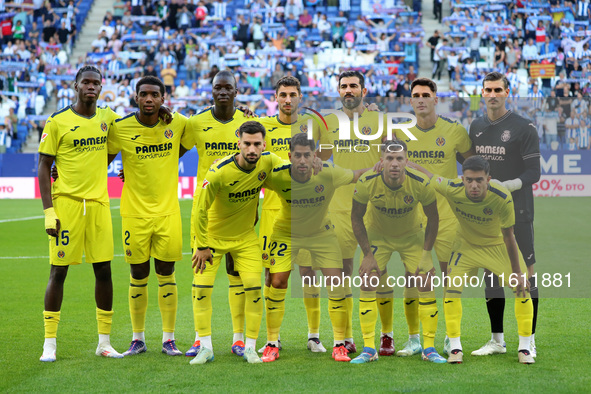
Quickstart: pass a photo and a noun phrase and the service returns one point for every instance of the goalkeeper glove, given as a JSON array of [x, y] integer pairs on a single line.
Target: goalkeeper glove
[[50, 219], [426, 263], [513, 184]]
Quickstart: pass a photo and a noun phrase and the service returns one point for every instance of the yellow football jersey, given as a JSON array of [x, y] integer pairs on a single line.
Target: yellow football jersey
[[480, 222], [277, 140], [79, 145], [435, 149], [150, 156], [213, 139], [354, 153], [394, 213], [304, 211], [229, 197]]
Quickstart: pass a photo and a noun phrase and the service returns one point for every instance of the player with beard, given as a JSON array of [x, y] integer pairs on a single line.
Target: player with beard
[[225, 214], [355, 154], [280, 129]]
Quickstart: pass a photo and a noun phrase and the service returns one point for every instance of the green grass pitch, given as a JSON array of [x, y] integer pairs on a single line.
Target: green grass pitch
[[562, 231]]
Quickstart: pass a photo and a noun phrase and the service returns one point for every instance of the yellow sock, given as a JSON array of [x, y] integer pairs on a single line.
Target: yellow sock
[[266, 291], [338, 313], [275, 312], [312, 304], [253, 309], [236, 300], [349, 302], [452, 306], [368, 316], [524, 313], [203, 286], [138, 303], [411, 310], [194, 300], [428, 314], [385, 296], [167, 301], [104, 320], [50, 321]]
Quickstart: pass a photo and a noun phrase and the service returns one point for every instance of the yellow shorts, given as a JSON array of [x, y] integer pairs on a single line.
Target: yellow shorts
[[446, 235], [245, 251], [157, 237], [342, 222], [85, 228], [265, 231], [467, 258], [410, 249], [321, 251]]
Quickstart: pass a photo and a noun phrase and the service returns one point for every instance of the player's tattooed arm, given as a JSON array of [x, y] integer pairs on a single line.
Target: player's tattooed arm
[[357, 213], [522, 287], [420, 168], [368, 265]]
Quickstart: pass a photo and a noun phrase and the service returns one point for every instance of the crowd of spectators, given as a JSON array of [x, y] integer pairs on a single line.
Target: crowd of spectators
[[36, 41]]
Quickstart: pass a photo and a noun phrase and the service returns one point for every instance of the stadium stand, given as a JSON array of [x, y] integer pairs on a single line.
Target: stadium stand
[[541, 46]]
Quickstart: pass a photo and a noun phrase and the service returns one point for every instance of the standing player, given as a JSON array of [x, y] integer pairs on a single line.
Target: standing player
[[352, 92], [226, 211], [214, 132], [151, 220], [280, 129], [303, 224], [485, 239], [394, 224], [76, 206], [438, 140], [511, 145]]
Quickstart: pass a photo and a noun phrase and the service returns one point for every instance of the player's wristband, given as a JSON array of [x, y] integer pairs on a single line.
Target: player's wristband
[[50, 219], [205, 247], [426, 263]]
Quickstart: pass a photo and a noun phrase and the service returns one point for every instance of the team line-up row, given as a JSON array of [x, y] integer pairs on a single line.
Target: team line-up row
[[374, 199]]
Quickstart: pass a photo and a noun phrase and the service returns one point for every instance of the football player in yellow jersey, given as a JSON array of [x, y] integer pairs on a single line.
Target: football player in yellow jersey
[[226, 213], [485, 239], [348, 154], [151, 220], [76, 206], [386, 219], [214, 132], [438, 141], [303, 224], [280, 129]]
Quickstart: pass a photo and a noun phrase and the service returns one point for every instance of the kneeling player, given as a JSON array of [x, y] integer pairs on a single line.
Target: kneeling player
[[485, 240], [303, 224], [394, 225], [150, 212]]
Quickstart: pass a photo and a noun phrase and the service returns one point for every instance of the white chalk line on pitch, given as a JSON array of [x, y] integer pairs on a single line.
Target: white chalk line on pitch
[[45, 257], [34, 217]]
